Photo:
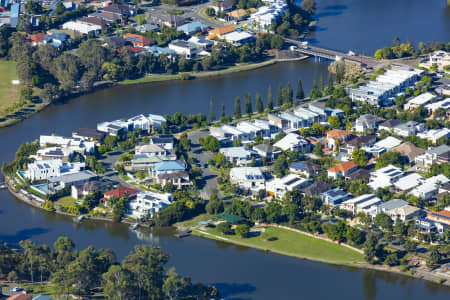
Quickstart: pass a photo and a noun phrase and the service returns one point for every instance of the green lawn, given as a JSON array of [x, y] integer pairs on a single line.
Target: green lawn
[[193, 222], [295, 244], [9, 93], [68, 200]]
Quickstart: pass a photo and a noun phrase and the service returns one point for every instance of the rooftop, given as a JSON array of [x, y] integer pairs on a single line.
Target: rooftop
[[343, 167], [121, 191]]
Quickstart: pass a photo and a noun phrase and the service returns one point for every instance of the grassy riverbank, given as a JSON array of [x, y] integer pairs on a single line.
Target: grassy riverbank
[[290, 243], [193, 75], [9, 93]]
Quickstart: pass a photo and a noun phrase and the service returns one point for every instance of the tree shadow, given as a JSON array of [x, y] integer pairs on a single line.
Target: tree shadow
[[23, 235], [229, 290], [336, 7]]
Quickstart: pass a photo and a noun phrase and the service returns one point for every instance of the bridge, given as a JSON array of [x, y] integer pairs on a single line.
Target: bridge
[[329, 54]]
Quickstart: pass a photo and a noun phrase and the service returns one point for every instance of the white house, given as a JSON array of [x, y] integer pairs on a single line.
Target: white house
[[139, 122], [181, 47], [420, 100], [156, 120], [429, 187], [434, 135], [240, 156], [408, 182], [45, 169], [384, 177], [431, 156], [366, 122], [146, 204], [360, 203], [249, 178], [293, 142], [238, 38], [409, 128], [279, 186], [82, 27]]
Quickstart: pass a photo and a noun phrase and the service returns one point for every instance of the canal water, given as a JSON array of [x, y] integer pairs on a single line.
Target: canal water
[[239, 272]]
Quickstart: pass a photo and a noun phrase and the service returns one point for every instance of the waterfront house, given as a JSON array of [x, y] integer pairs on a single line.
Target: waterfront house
[[82, 190], [342, 169], [185, 48], [120, 192], [164, 140], [156, 121], [139, 122], [278, 187], [89, 134], [202, 42], [45, 169], [238, 38], [146, 204], [248, 178], [278, 121], [73, 178], [352, 204]]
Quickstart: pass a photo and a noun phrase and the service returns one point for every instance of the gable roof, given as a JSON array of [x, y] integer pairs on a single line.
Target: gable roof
[[170, 165], [390, 123], [343, 167], [337, 134], [408, 149], [220, 31], [137, 39], [121, 191]]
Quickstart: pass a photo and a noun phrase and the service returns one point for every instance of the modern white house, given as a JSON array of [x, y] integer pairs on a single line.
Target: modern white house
[[365, 123], [45, 169], [248, 178], [409, 128], [82, 27], [417, 101], [239, 156], [385, 177], [238, 38], [361, 203], [431, 156], [293, 142], [146, 204], [433, 135], [185, 48], [279, 186], [156, 120]]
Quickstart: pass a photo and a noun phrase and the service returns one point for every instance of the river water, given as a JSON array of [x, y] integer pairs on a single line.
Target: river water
[[239, 272]]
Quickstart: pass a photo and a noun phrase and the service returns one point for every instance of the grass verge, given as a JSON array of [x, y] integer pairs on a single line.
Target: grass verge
[[291, 243], [9, 93]]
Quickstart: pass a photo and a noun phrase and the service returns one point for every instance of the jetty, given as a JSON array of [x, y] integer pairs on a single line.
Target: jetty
[[79, 219], [183, 234]]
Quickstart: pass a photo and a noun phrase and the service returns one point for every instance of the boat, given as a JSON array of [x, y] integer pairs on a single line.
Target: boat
[[135, 226], [3, 186], [79, 219]]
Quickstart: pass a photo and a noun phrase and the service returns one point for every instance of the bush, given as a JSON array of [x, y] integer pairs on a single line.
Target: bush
[[224, 227], [242, 230]]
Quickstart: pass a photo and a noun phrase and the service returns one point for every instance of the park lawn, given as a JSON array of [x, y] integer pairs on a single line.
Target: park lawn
[[296, 244], [68, 200], [194, 221], [9, 93]]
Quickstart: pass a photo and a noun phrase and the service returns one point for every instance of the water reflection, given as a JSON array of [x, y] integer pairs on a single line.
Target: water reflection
[[21, 235], [370, 285], [232, 290]]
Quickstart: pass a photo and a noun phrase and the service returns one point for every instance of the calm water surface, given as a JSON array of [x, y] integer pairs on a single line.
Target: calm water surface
[[240, 273]]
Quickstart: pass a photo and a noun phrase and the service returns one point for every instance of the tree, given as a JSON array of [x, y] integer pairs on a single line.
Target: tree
[[411, 245], [383, 220], [335, 122], [280, 166], [212, 116], [224, 227], [355, 235], [359, 156], [300, 93], [30, 256], [242, 230], [391, 259], [259, 104], [435, 257], [237, 108], [370, 247], [388, 158], [309, 6], [215, 205], [269, 98], [210, 143], [280, 96], [248, 104], [118, 283]]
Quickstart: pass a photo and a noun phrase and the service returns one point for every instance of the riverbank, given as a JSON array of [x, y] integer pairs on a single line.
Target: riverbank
[[285, 241]]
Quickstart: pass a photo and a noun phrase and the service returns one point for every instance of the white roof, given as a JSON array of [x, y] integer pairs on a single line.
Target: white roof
[[54, 139], [289, 141], [442, 179], [359, 199], [408, 182], [434, 134], [156, 118], [421, 99], [290, 181], [433, 106], [246, 173], [368, 203], [388, 143], [237, 36], [236, 151]]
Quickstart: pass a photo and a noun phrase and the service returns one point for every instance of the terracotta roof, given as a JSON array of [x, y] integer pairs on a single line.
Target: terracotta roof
[[220, 31], [120, 192], [238, 13], [136, 49], [36, 38], [138, 40], [337, 134], [343, 167], [408, 149]]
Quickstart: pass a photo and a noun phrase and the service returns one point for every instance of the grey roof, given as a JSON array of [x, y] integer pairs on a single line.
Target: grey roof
[[391, 123], [263, 148], [74, 177], [392, 204], [439, 150]]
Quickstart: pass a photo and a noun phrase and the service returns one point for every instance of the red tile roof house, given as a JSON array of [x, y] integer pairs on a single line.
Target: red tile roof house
[[36, 39], [119, 193], [337, 135], [138, 40], [342, 169]]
